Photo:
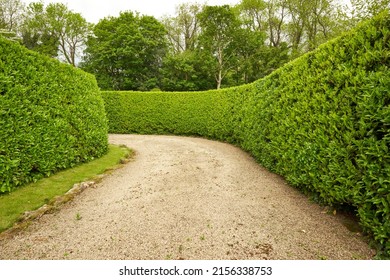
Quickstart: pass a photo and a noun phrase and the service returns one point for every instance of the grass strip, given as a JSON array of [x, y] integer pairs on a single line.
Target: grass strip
[[35, 195]]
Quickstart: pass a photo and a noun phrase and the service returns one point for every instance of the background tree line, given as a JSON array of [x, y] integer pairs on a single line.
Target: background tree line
[[200, 47]]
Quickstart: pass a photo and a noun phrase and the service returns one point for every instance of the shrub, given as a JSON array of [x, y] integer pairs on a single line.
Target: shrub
[[51, 116], [321, 121]]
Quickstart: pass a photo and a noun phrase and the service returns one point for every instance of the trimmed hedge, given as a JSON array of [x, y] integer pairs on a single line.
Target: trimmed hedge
[[321, 121], [51, 116], [191, 113]]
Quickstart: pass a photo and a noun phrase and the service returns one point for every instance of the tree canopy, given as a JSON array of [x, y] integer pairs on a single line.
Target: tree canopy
[[126, 52], [200, 47], [55, 30]]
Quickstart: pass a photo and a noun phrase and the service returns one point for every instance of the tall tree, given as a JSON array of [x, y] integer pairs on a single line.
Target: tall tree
[[312, 23], [126, 52], [35, 32], [363, 9], [220, 26], [322, 19], [302, 24], [257, 54], [296, 26], [183, 29], [11, 15], [55, 30], [183, 69], [253, 14], [277, 17], [70, 28]]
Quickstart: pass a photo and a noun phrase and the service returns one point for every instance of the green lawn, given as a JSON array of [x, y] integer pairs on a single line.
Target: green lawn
[[33, 196]]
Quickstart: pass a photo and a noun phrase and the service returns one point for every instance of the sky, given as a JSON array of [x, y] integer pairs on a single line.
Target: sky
[[94, 10]]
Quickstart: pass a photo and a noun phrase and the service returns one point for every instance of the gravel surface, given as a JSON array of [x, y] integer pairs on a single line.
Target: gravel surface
[[187, 198]]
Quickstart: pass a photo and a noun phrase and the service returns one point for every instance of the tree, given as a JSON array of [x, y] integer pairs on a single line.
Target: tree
[[322, 20], [253, 14], [220, 26], [277, 17], [302, 24], [126, 52], [183, 69], [70, 28], [257, 54], [55, 31], [296, 26], [312, 23], [36, 35], [183, 29], [364, 9], [186, 71], [250, 57], [10, 15]]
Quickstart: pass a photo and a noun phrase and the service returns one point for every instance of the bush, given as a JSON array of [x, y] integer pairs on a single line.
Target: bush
[[51, 116], [321, 121]]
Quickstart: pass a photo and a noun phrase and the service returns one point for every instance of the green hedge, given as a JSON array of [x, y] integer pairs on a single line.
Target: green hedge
[[322, 121], [51, 116], [190, 113]]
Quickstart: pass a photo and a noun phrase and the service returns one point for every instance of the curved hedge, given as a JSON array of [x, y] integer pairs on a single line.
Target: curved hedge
[[321, 121], [51, 116]]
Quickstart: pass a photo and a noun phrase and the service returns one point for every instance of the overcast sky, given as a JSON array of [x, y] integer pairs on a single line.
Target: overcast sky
[[94, 10]]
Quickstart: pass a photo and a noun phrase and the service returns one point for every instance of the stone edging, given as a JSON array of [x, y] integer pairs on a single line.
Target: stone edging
[[53, 205]]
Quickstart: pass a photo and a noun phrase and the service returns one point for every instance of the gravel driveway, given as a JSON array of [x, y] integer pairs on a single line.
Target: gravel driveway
[[187, 198]]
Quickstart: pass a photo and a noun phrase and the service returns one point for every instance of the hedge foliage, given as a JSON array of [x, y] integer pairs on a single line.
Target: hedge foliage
[[51, 116], [191, 113], [322, 121]]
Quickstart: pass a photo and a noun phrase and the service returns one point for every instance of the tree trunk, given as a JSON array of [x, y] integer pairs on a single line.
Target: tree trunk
[[219, 79], [220, 67]]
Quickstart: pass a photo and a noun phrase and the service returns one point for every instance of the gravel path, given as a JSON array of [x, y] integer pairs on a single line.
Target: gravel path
[[187, 198]]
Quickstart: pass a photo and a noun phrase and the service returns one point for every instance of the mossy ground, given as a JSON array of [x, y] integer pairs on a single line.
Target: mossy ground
[[34, 195]]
